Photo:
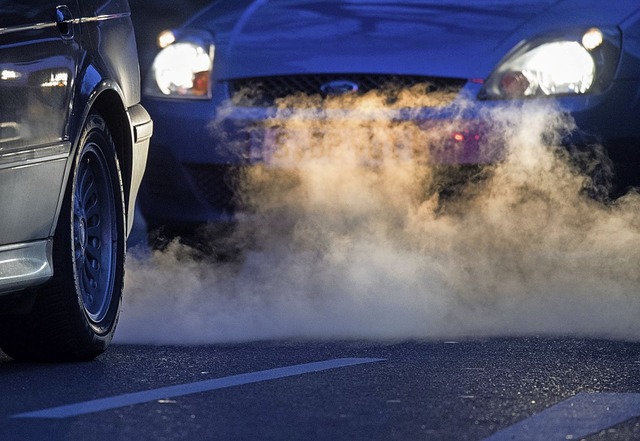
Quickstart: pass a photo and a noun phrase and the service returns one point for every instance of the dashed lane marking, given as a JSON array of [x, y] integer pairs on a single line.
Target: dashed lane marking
[[575, 418], [101, 404]]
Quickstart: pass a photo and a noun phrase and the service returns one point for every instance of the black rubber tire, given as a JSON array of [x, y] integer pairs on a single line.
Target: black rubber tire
[[75, 314]]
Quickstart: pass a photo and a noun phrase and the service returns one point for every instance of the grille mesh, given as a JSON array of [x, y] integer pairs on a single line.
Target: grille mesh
[[264, 91], [218, 184]]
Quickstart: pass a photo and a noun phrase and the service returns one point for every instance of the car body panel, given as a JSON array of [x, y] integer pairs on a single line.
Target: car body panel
[[108, 37], [628, 69], [38, 70], [448, 39], [57, 61]]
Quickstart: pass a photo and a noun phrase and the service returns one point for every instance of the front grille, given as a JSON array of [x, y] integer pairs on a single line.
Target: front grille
[[218, 184], [265, 91]]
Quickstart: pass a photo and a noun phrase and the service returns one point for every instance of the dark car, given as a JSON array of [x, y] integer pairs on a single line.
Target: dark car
[[73, 148], [220, 88]]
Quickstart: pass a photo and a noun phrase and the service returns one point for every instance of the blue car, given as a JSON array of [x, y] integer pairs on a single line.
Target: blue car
[[223, 85]]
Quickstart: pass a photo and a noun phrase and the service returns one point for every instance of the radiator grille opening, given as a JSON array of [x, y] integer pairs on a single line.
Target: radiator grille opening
[[266, 91]]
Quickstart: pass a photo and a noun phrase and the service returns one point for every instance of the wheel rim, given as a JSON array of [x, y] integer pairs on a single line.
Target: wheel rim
[[94, 232]]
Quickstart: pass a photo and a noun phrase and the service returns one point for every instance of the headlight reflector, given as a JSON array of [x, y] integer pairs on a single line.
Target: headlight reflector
[[182, 70], [573, 65]]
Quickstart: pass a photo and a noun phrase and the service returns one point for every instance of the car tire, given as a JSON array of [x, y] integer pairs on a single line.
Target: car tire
[[74, 315]]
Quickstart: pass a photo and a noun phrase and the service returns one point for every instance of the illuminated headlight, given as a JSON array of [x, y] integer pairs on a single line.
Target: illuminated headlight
[[182, 70], [576, 65]]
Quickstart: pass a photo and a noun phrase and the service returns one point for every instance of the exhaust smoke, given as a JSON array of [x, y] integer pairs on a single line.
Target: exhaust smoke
[[354, 233]]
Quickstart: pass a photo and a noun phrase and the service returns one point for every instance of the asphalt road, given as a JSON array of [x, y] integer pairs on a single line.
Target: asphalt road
[[494, 390]]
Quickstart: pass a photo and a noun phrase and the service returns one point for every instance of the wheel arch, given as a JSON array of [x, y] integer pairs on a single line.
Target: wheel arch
[[111, 107]]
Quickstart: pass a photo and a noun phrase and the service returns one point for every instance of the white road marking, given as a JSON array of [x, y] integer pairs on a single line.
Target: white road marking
[[129, 399], [575, 418]]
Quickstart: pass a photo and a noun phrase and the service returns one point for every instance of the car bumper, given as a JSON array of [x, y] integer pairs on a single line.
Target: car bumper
[[142, 129], [198, 152]]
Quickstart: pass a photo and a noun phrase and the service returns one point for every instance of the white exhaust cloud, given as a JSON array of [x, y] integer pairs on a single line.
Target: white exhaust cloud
[[348, 238]]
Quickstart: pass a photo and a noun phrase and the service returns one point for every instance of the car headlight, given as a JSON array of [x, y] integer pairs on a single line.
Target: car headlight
[[182, 68], [569, 65]]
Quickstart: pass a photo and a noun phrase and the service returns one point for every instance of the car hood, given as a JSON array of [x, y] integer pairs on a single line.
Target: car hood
[[444, 38]]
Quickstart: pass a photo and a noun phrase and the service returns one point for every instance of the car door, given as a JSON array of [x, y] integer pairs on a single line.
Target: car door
[[38, 57]]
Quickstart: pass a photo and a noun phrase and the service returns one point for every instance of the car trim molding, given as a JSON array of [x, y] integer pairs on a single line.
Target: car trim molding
[[29, 156], [82, 20], [101, 18], [35, 26]]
